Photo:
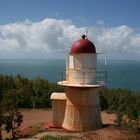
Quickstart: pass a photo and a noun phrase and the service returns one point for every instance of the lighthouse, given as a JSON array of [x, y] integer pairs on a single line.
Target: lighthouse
[[79, 109]]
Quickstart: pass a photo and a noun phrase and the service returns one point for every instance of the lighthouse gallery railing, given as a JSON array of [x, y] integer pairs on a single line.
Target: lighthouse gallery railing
[[101, 77]]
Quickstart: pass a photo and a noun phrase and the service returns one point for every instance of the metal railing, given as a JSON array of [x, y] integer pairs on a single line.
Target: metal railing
[[100, 77]]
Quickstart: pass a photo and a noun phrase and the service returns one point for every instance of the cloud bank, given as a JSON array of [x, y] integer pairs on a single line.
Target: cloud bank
[[51, 37]]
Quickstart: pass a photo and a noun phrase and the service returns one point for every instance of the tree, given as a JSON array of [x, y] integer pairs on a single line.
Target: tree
[[13, 118], [1, 123]]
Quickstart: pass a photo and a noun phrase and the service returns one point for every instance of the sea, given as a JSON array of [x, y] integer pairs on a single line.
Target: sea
[[120, 73]]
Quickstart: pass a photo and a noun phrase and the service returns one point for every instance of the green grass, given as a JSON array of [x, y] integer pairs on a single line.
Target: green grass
[[56, 138]]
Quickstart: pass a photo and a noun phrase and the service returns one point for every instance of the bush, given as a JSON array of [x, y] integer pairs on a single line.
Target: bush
[[31, 93], [125, 104]]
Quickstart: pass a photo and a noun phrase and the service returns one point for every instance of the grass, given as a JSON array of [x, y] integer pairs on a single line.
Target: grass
[[56, 138]]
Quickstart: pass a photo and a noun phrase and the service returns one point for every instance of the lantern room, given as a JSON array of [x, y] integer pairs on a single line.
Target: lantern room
[[82, 65]]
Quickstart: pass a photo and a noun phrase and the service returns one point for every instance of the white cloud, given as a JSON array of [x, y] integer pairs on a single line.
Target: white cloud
[[52, 37], [117, 39]]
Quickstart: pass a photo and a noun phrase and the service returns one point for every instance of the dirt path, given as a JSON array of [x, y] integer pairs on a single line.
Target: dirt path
[[38, 116], [35, 116]]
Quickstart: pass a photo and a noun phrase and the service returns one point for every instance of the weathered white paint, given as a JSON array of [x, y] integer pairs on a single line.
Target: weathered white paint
[[78, 109], [58, 108], [83, 60], [82, 76], [82, 68], [82, 109]]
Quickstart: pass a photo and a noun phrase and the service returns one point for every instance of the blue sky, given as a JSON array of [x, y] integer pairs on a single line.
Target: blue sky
[[101, 17], [112, 12]]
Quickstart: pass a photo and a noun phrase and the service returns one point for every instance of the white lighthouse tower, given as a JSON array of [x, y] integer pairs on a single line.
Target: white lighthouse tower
[[79, 107]]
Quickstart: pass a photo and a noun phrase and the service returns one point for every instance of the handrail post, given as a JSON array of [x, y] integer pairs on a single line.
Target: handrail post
[[83, 78], [106, 69], [62, 76]]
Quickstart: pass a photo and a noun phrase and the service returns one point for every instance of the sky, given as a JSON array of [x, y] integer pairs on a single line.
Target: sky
[[48, 28]]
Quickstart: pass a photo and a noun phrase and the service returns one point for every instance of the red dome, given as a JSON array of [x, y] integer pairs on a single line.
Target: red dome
[[83, 45]]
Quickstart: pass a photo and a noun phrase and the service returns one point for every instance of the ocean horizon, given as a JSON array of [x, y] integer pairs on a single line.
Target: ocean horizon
[[121, 73]]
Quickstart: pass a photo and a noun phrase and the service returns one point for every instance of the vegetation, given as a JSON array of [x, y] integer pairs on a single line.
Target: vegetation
[[12, 119], [20, 92], [30, 93], [125, 104], [1, 123], [55, 138]]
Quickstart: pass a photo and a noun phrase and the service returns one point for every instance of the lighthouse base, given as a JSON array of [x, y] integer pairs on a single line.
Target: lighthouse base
[[82, 112]]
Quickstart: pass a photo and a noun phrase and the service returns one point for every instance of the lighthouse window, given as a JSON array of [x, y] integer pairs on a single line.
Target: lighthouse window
[[77, 62], [71, 62]]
